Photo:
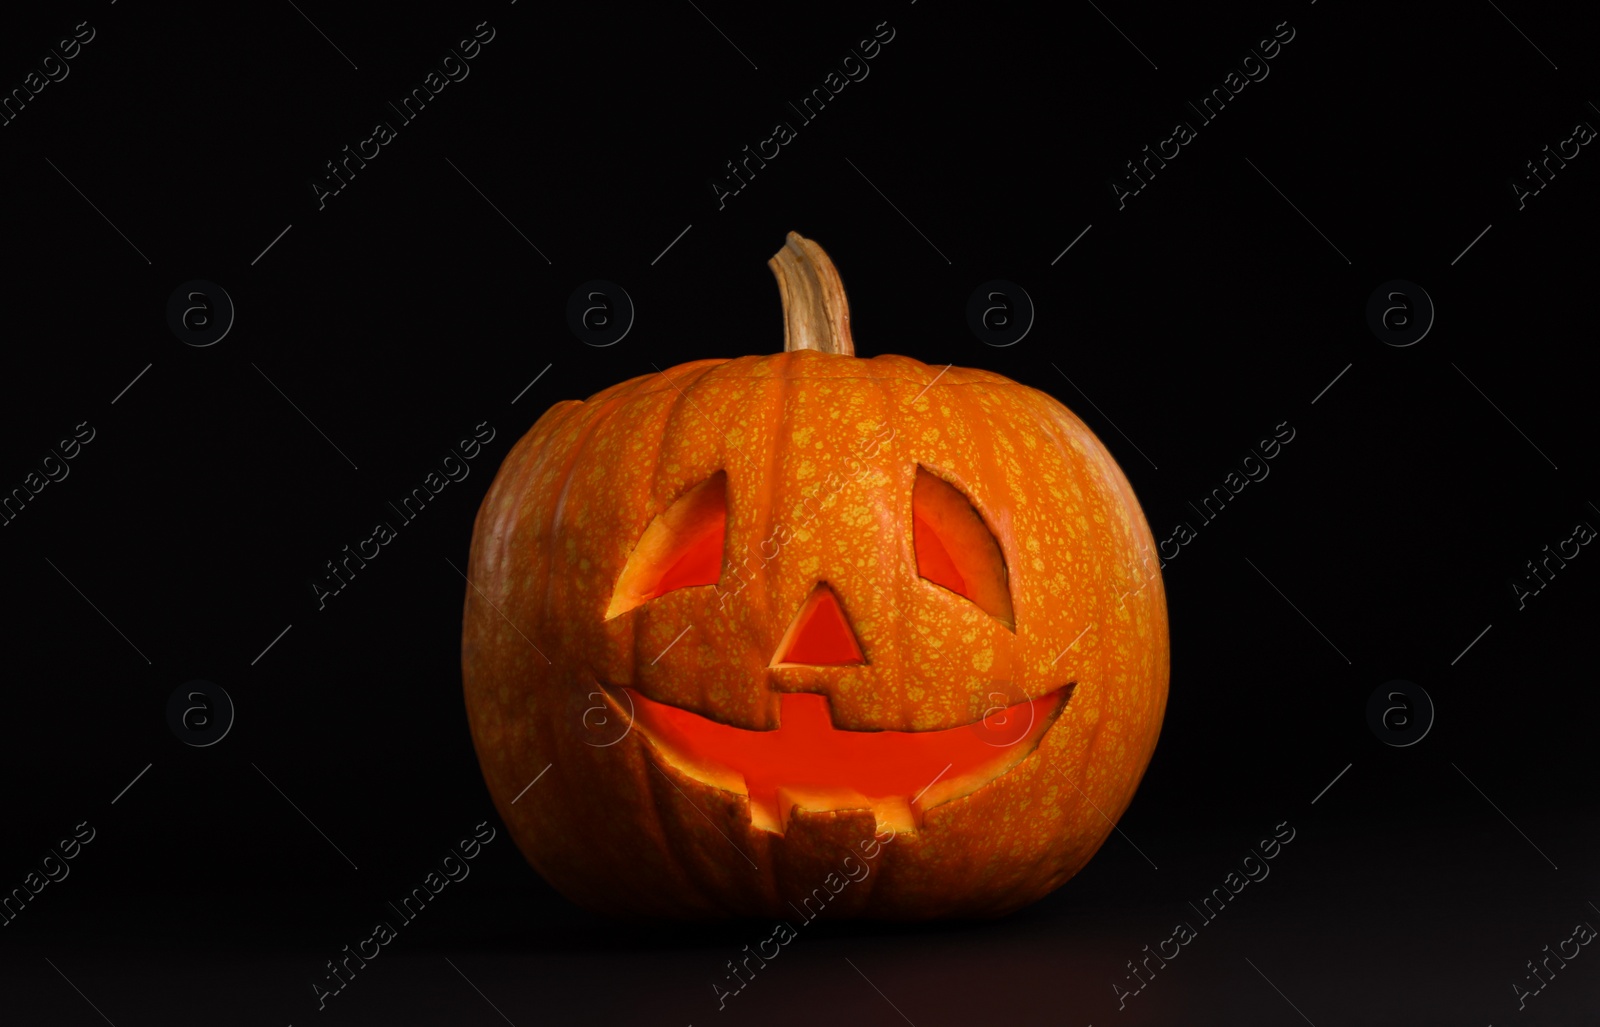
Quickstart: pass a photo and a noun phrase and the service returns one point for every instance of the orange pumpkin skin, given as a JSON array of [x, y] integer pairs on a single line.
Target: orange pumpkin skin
[[618, 827]]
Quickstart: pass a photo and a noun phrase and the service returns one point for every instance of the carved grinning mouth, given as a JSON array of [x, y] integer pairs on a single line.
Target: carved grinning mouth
[[808, 763]]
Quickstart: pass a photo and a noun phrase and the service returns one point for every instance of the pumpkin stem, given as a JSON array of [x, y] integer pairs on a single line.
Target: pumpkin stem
[[815, 313]]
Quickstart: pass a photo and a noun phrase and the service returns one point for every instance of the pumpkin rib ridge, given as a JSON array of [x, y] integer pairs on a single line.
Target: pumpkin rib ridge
[[890, 411], [985, 502], [668, 833], [680, 837], [771, 615], [588, 429], [1152, 687], [674, 425], [677, 834], [674, 844], [1108, 708], [1004, 535], [552, 685], [1072, 460], [662, 429]]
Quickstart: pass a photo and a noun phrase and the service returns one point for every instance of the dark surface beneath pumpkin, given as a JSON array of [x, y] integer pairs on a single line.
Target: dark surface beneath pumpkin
[[1412, 917]]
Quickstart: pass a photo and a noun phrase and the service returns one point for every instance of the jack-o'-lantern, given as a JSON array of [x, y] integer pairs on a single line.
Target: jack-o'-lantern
[[811, 633]]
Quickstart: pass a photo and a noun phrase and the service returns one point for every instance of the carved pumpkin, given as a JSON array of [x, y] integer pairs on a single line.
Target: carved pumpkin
[[812, 630]]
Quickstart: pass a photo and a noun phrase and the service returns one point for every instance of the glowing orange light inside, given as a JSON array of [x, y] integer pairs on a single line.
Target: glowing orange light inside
[[820, 635], [933, 559], [806, 761], [680, 548], [699, 561], [955, 548]]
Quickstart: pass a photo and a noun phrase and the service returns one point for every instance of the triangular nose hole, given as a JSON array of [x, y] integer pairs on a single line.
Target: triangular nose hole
[[820, 635]]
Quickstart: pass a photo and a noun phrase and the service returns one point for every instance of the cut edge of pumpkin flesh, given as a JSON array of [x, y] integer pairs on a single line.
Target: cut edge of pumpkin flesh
[[807, 764]]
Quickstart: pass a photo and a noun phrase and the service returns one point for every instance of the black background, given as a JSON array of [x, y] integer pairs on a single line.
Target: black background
[[415, 305]]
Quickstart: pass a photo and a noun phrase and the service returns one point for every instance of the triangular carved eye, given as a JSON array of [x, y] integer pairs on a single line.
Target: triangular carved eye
[[681, 548], [956, 549]]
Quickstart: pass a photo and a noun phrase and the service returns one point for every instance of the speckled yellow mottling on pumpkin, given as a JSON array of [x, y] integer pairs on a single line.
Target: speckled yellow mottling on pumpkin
[[618, 828]]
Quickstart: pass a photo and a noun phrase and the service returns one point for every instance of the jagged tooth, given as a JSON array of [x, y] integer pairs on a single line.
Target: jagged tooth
[[896, 813], [789, 799], [768, 812]]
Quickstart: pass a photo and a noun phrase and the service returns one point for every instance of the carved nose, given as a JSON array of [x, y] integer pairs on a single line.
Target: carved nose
[[819, 635]]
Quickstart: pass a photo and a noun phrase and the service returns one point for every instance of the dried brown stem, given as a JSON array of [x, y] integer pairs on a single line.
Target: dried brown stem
[[815, 313]]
